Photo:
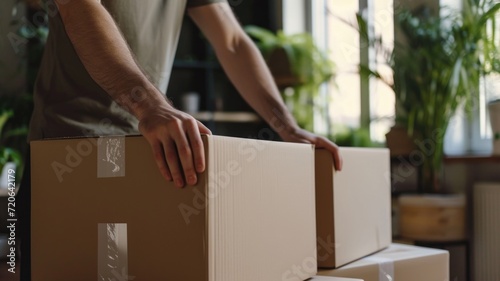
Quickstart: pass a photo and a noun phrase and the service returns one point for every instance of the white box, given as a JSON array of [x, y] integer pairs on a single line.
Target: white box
[[250, 217], [353, 207], [398, 262]]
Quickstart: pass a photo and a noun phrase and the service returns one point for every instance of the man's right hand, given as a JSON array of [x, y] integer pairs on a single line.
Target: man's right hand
[[174, 136], [176, 142]]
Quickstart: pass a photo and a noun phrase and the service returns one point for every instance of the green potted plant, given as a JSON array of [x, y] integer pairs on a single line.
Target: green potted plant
[[435, 72], [298, 66], [16, 107], [8, 154], [353, 137]]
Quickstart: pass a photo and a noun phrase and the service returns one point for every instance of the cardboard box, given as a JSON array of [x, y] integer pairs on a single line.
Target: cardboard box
[[101, 209], [353, 207], [398, 262]]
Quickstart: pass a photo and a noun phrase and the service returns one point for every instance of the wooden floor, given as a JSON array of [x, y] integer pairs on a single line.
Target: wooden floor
[[6, 275]]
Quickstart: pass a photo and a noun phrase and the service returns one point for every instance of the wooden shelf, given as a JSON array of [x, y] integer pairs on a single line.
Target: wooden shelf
[[196, 68], [231, 117]]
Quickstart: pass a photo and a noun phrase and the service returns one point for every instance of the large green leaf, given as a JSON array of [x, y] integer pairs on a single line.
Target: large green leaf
[[10, 155], [4, 116], [261, 34], [311, 66]]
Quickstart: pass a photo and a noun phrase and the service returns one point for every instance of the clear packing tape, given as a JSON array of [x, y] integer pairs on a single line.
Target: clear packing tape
[[112, 260], [385, 267], [112, 252], [111, 157]]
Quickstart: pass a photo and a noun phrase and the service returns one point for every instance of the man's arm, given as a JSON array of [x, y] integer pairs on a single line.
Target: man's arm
[[173, 135], [248, 71]]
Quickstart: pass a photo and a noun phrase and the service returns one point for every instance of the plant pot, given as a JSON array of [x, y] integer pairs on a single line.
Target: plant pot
[[398, 141], [494, 109], [281, 69], [432, 217]]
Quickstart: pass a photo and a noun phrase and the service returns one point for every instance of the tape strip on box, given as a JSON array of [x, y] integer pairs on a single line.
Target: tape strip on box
[[111, 157], [112, 260], [385, 268]]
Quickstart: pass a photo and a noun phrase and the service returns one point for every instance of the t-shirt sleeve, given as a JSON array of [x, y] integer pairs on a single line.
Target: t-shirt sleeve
[[196, 3]]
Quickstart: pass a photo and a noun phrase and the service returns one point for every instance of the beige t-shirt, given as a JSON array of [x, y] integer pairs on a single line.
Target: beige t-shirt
[[69, 103]]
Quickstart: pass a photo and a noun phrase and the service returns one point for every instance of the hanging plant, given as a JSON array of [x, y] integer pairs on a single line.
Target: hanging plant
[[298, 64]]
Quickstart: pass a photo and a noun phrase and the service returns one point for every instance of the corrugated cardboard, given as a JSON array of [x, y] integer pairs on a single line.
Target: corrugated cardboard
[[398, 262], [250, 217], [353, 207]]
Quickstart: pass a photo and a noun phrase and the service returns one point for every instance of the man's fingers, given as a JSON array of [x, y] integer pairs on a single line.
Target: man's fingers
[[173, 162], [177, 144], [334, 149], [338, 161], [186, 154], [159, 156], [202, 129], [197, 148]]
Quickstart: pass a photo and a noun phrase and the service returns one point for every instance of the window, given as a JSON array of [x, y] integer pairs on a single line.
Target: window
[[333, 23], [351, 105], [382, 99], [480, 128]]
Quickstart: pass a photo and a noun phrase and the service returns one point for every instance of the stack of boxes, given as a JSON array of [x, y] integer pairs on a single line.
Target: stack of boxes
[[255, 214], [354, 223]]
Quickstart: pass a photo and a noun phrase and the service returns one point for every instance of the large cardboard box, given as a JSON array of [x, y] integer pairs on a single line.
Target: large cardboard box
[[101, 210], [353, 207], [398, 262]]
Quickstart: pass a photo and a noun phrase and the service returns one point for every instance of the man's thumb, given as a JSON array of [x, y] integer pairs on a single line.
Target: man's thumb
[[203, 129]]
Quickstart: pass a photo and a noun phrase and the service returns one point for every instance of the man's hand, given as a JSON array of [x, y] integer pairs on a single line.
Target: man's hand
[[176, 142], [174, 136], [303, 136]]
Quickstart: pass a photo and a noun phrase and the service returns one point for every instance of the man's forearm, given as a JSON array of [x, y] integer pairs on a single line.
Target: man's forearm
[[106, 56], [244, 64], [249, 73]]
